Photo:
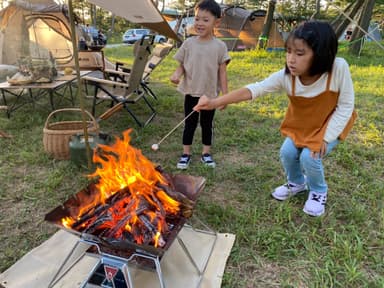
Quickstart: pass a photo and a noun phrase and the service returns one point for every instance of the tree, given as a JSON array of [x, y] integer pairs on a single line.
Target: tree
[[363, 24], [110, 31], [93, 12], [302, 9], [263, 40]]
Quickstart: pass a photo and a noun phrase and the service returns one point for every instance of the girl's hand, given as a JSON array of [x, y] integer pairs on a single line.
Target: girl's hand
[[222, 107], [321, 153], [203, 104]]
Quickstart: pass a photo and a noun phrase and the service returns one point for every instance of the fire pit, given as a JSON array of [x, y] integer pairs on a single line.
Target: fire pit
[[133, 211]]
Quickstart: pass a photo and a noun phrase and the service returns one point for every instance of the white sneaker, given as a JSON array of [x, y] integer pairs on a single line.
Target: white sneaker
[[184, 161], [315, 204], [285, 191], [207, 160]]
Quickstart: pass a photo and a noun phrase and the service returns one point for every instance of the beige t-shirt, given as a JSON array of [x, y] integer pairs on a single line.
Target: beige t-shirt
[[201, 61]]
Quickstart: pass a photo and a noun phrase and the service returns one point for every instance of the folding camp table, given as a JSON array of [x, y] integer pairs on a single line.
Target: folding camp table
[[57, 90]]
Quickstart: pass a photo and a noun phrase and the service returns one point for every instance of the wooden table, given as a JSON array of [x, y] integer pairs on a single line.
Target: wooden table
[[31, 93]]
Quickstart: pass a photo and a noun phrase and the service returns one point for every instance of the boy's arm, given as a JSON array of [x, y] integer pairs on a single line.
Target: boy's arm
[[176, 76]]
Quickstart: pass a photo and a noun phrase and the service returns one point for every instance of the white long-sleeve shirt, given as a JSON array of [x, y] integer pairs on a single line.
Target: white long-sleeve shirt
[[341, 82]]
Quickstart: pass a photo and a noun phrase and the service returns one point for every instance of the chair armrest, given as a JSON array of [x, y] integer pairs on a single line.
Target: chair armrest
[[104, 81], [120, 67], [117, 72]]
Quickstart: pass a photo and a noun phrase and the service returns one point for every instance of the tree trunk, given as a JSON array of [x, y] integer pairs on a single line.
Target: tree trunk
[[263, 39], [93, 14], [110, 31], [341, 26], [340, 18], [358, 34]]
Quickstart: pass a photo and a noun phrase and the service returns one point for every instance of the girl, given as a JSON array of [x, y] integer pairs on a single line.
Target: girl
[[320, 111]]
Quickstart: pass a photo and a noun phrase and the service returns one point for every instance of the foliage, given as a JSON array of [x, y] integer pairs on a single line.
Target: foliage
[[277, 245]]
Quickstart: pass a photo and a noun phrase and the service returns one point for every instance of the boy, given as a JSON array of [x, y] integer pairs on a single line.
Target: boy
[[203, 64]]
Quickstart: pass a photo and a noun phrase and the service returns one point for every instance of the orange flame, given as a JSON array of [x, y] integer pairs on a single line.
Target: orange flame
[[121, 167], [124, 166]]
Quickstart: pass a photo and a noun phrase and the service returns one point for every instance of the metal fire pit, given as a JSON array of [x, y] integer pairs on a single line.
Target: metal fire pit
[[114, 254]]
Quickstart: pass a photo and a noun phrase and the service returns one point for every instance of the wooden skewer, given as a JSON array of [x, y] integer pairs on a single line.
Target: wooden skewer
[[170, 132]]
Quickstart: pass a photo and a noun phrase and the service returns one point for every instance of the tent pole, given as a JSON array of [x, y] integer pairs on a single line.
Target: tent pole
[[79, 91]]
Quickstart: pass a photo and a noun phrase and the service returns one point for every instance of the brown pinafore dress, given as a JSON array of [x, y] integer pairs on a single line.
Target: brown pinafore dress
[[306, 119]]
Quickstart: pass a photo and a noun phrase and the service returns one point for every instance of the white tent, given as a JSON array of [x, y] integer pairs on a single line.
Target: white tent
[[34, 28]]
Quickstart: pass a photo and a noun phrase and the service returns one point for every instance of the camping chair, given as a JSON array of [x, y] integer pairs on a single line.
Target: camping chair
[[125, 89], [160, 51], [158, 55]]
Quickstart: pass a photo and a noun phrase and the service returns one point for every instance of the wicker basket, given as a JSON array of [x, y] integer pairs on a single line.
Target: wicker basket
[[56, 136]]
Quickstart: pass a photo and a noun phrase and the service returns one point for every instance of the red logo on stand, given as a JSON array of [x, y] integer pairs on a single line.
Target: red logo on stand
[[110, 272]]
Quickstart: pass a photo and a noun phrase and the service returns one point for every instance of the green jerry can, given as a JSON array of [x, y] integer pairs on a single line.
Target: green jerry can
[[77, 147]]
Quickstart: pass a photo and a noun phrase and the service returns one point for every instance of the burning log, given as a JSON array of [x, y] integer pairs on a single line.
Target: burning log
[[119, 225], [124, 220], [186, 203], [91, 228], [99, 209], [151, 228]]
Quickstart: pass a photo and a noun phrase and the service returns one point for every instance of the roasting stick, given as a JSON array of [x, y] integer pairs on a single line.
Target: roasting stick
[[156, 145]]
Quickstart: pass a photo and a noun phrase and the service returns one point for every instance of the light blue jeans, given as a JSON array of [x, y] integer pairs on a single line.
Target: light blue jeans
[[298, 162]]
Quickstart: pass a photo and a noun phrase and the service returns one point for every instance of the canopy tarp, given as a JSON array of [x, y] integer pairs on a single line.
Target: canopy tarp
[[142, 12]]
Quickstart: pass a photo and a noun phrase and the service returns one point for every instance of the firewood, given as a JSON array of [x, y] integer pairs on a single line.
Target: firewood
[[90, 229], [180, 197], [119, 225], [128, 215], [152, 230], [100, 208]]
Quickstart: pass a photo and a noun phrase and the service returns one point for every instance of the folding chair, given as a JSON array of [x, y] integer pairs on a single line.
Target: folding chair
[[160, 51], [124, 89]]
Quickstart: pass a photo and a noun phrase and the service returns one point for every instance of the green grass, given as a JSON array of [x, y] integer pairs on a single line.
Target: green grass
[[277, 245]]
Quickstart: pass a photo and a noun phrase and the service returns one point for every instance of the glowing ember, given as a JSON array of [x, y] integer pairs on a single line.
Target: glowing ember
[[134, 199]]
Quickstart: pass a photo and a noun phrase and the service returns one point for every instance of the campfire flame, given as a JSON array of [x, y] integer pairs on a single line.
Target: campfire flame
[[131, 202]]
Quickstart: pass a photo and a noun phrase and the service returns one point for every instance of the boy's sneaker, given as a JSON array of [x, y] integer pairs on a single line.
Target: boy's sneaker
[[207, 160], [285, 191], [184, 161], [315, 204]]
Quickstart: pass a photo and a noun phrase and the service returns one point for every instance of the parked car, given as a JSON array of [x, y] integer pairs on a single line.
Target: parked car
[[95, 35], [132, 35]]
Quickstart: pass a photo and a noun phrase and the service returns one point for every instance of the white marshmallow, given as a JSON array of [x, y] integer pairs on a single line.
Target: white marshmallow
[[155, 147]]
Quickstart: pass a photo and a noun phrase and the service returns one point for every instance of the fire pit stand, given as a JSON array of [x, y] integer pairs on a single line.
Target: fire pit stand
[[111, 271]]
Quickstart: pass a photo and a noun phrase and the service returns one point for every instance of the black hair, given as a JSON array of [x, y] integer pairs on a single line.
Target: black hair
[[321, 37], [209, 5]]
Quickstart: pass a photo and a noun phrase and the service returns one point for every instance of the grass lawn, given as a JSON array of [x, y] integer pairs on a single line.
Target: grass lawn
[[277, 245]]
